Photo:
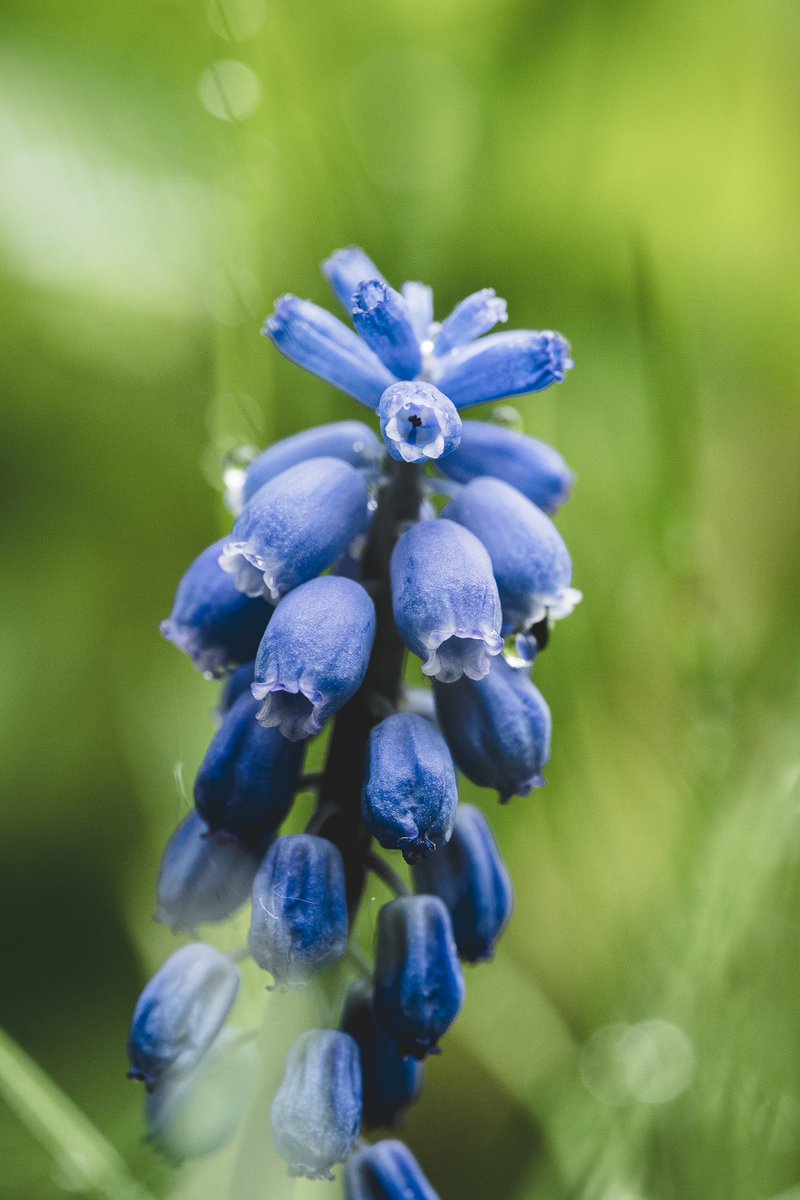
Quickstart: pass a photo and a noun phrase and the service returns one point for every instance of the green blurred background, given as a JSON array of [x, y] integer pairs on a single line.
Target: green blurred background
[[626, 173]]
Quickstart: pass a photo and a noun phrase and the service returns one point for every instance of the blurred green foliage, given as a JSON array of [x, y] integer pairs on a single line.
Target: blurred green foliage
[[626, 173]]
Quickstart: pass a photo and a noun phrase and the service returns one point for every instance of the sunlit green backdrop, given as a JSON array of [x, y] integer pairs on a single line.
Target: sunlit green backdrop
[[626, 173]]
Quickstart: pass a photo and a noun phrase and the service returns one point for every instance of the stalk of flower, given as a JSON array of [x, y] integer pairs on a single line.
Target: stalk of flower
[[337, 566]]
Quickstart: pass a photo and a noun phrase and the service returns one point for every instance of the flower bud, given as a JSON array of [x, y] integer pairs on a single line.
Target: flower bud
[[202, 879], [473, 317], [470, 877], [381, 317], [211, 620], [180, 1012], [248, 778], [315, 656], [391, 1083], [410, 797], [351, 441], [419, 988], [309, 336], [498, 729], [532, 467], [419, 300], [295, 526], [531, 564], [386, 1171], [503, 364], [316, 1114], [418, 423], [299, 922], [345, 270], [197, 1113], [446, 605]]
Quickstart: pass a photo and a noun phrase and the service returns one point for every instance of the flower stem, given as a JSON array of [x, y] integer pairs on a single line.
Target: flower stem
[[342, 781]]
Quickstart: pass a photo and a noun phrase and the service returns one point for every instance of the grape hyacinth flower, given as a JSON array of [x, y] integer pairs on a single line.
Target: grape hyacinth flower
[[316, 1114], [341, 560], [299, 920]]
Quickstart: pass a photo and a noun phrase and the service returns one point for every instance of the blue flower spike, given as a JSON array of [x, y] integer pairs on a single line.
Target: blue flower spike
[[203, 879], [391, 1083], [352, 441], [498, 729], [248, 778], [211, 620], [532, 467], [411, 795], [419, 424], [345, 270], [446, 604], [530, 561], [299, 920], [180, 1012], [419, 988], [468, 874], [386, 1171], [381, 317], [316, 1114], [313, 339], [315, 656], [503, 364], [295, 526], [473, 317]]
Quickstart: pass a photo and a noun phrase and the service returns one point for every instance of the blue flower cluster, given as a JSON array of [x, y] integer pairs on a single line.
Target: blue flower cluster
[[341, 559]]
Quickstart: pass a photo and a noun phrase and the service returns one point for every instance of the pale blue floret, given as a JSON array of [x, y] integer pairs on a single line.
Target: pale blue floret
[[351, 441], [316, 1114], [315, 656], [296, 526], [418, 422], [211, 620], [180, 1012], [345, 270], [531, 466], [381, 316], [419, 987], [446, 605], [299, 920], [386, 1171], [473, 317], [530, 561], [498, 729], [410, 796], [503, 364], [202, 878], [419, 299], [323, 345], [469, 875]]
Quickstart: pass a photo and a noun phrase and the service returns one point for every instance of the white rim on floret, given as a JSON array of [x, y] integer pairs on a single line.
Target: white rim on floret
[[253, 573], [213, 661], [458, 651], [291, 706]]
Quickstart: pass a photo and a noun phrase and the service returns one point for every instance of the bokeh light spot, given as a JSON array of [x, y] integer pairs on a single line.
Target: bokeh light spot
[[229, 90], [649, 1063]]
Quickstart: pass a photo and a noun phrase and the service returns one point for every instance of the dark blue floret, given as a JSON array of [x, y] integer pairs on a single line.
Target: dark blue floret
[[316, 1114], [234, 686], [386, 1171], [180, 1012], [202, 878], [299, 922], [498, 729], [410, 796], [470, 877], [391, 1083], [419, 988], [211, 620], [248, 778], [532, 467]]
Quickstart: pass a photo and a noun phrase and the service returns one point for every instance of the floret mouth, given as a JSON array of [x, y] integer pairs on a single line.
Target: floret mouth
[[214, 661], [253, 573], [461, 651], [290, 708]]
